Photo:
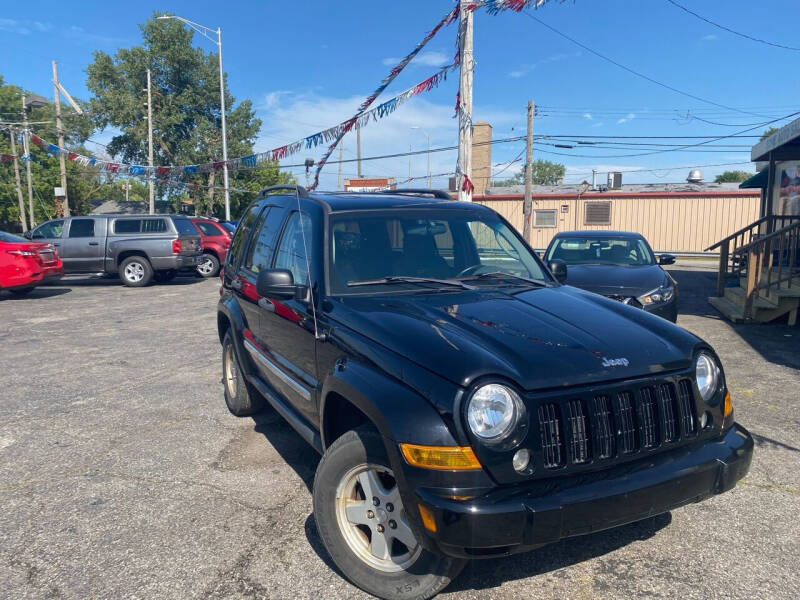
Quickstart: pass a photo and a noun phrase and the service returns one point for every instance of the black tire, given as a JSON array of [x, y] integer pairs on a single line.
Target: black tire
[[209, 266], [421, 577], [21, 291], [136, 271], [241, 398], [165, 276]]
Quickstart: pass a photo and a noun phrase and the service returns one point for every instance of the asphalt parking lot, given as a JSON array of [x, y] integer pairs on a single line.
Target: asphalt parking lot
[[122, 475]]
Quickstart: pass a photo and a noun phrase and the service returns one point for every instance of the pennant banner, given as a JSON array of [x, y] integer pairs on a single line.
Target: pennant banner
[[7, 158]]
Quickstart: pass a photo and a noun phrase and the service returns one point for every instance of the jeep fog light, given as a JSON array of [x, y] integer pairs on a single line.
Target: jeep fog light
[[521, 460]]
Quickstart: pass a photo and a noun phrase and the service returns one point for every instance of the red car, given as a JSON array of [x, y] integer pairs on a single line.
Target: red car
[[25, 264], [215, 239]]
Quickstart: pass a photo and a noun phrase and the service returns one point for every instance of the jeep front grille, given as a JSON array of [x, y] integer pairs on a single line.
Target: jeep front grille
[[623, 422]]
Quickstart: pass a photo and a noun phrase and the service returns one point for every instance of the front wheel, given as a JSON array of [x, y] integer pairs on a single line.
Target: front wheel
[[240, 398], [364, 525], [209, 266]]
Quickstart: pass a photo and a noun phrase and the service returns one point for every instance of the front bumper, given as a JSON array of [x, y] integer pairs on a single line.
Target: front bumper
[[514, 519]]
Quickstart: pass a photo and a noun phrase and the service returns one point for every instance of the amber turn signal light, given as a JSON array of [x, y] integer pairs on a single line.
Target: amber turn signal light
[[427, 517], [442, 458], [728, 406]]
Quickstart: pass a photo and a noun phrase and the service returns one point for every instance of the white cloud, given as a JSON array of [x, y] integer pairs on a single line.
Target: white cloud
[[14, 26], [626, 118], [588, 116], [432, 58], [524, 69], [289, 116], [597, 124], [710, 37]]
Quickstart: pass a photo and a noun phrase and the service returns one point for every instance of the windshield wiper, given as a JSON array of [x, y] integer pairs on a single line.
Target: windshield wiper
[[503, 275], [403, 279]]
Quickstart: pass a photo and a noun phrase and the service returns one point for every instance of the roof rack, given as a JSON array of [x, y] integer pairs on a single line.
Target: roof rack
[[441, 194], [301, 191]]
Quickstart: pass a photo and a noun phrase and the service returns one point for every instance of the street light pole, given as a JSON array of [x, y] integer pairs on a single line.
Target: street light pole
[[204, 31]]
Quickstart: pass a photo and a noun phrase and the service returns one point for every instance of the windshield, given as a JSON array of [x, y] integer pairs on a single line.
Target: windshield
[[10, 237], [437, 245], [602, 250]]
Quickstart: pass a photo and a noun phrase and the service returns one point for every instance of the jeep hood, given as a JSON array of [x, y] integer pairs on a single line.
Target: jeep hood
[[539, 338]]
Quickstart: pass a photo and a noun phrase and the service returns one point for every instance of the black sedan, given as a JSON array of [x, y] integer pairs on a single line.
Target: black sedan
[[616, 264]]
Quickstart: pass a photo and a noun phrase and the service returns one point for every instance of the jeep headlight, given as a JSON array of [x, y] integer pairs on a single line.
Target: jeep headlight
[[493, 412], [660, 294], [706, 373]]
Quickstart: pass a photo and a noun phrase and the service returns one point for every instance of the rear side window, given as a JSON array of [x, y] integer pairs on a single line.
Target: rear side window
[[127, 225], [259, 255], [207, 228], [184, 227], [81, 228], [153, 226], [242, 234]]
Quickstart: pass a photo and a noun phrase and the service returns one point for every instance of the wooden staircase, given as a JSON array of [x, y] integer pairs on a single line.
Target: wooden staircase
[[759, 277]]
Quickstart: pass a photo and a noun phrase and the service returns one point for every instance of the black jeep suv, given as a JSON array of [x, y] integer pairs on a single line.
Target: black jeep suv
[[465, 403]]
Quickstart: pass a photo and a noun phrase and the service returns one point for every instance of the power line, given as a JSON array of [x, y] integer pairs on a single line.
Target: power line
[[634, 72], [733, 31]]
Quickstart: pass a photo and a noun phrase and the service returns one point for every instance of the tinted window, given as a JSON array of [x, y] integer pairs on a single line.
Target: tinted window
[[207, 228], [52, 229], [155, 226], [601, 250], [127, 225], [80, 228], [184, 226], [10, 237], [294, 243], [242, 234], [259, 255]]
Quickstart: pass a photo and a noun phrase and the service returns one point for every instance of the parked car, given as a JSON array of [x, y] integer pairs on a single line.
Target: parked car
[[616, 264], [215, 238], [466, 405], [139, 248], [25, 264]]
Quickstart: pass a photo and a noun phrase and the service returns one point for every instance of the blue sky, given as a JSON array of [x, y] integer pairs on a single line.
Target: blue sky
[[307, 65]]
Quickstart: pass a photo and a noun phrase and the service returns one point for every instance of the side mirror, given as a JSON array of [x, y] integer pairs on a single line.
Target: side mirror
[[28, 234], [559, 269], [666, 259], [276, 283]]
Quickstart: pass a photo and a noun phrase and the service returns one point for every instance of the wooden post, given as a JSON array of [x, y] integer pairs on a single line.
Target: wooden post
[[526, 205], [60, 130], [465, 94], [753, 277], [151, 179], [723, 268], [19, 183]]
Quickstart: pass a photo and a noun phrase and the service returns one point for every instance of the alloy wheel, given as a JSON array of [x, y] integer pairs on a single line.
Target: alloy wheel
[[134, 272], [372, 519], [230, 372], [206, 267]]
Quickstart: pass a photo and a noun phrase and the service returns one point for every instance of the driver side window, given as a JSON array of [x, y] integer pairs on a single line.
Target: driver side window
[[52, 229], [296, 241]]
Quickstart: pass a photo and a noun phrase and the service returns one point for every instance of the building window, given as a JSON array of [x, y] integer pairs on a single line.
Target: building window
[[544, 218], [597, 213]]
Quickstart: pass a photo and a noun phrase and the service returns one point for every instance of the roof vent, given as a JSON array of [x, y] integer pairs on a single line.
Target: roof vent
[[695, 176]]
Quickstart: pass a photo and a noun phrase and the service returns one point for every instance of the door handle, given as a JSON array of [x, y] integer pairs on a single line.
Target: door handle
[[93, 243]]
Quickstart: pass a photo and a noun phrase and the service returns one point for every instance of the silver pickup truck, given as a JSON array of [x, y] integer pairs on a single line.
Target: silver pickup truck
[[138, 247]]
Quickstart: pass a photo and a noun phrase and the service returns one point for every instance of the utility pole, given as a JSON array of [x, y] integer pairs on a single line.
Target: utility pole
[[26, 150], [358, 149], [60, 131], [465, 95], [19, 183], [151, 179], [339, 176], [526, 205]]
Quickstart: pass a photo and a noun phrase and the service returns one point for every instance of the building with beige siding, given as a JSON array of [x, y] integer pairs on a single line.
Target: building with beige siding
[[677, 218]]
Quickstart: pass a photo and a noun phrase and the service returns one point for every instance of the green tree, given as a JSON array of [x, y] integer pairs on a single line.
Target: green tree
[[187, 126], [768, 133], [544, 173], [732, 177], [83, 183]]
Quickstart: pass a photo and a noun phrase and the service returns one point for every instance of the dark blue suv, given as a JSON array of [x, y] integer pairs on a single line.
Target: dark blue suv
[[466, 404]]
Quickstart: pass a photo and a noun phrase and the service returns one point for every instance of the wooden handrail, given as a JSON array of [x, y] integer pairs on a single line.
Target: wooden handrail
[[763, 240], [737, 233]]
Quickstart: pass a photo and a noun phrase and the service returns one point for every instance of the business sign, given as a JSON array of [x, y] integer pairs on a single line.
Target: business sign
[[788, 200]]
